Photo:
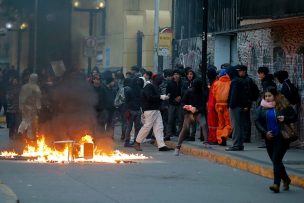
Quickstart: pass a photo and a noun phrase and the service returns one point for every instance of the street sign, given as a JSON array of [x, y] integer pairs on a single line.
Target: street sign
[[92, 45], [90, 42], [165, 44]]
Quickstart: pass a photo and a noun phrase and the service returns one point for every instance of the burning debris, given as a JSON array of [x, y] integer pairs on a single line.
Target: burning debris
[[75, 152]]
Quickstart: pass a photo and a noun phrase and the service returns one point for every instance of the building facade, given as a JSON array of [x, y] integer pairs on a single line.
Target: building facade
[[250, 32]]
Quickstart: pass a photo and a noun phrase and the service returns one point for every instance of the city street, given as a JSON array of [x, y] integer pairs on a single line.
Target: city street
[[162, 178]]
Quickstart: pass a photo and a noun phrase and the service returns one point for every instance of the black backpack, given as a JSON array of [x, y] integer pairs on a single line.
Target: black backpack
[[294, 97], [251, 90]]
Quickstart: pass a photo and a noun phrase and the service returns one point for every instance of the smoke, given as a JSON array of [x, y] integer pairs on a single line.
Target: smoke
[[73, 114]]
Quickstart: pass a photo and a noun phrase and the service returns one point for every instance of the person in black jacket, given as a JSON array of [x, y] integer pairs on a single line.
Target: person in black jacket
[[239, 106], [151, 102], [175, 111], [109, 108], [187, 84], [13, 114], [288, 89], [133, 111], [267, 80], [193, 103], [270, 115]]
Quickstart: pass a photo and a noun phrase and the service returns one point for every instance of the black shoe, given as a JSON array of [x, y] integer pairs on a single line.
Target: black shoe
[[164, 149], [275, 188], [234, 149], [224, 141]]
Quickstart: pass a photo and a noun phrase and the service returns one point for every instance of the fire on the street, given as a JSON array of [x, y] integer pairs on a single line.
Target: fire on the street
[[82, 151]]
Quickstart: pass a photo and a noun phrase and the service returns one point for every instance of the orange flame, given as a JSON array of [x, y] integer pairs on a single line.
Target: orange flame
[[41, 152]]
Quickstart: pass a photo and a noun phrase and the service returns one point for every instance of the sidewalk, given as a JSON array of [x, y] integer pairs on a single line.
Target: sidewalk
[[252, 159]]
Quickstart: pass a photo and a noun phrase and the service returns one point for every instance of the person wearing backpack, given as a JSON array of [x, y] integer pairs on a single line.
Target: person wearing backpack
[[289, 90]]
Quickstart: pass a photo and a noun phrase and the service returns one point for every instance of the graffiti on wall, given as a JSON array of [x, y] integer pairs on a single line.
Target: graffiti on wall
[[189, 52], [279, 48]]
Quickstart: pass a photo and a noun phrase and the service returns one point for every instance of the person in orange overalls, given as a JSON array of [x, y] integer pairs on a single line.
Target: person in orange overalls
[[221, 93], [212, 118]]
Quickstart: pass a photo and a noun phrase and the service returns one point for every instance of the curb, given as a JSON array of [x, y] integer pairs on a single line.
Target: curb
[[234, 162], [9, 195]]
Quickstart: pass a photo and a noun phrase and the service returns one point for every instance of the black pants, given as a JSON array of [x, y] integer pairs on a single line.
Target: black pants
[[13, 121], [175, 117], [247, 126], [122, 111], [276, 149], [133, 117]]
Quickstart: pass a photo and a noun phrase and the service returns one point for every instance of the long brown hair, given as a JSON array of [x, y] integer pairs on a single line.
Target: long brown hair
[[281, 102]]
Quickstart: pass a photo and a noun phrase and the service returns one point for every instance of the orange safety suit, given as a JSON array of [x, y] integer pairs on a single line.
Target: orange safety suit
[[212, 119], [221, 93]]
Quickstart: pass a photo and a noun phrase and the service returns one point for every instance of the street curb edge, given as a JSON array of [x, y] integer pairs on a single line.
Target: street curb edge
[[234, 163]]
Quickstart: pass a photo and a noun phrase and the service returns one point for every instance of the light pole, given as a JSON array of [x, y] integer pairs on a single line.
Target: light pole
[[100, 6], [204, 41], [156, 33], [19, 31]]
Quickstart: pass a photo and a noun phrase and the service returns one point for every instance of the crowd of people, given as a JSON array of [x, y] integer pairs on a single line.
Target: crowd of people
[[174, 103]]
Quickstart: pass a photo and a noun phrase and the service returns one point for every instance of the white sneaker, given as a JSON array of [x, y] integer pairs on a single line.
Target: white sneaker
[[176, 152]]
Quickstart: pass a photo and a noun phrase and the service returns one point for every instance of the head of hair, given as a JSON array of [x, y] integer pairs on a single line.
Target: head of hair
[[264, 70], [149, 73], [168, 73], [135, 68], [280, 99], [281, 75]]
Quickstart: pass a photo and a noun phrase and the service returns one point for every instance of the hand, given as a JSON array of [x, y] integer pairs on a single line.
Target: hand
[[187, 107], [281, 118], [269, 135], [164, 97], [193, 109], [177, 99]]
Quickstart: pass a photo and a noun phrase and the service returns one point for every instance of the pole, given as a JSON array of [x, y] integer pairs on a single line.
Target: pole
[[35, 36], [19, 44], [156, 31], [90, 34], [204, 42], [139, 37]]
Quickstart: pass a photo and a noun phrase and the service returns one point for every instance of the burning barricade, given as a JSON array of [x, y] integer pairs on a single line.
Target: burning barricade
[[82, 151]]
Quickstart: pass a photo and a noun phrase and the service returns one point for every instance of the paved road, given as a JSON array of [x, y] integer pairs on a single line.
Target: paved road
[[163, 178]]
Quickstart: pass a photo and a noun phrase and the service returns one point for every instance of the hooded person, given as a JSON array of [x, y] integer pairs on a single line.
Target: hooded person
[[221, 93], [133, 111], [193, 103], [109, 97], [29, 105]]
